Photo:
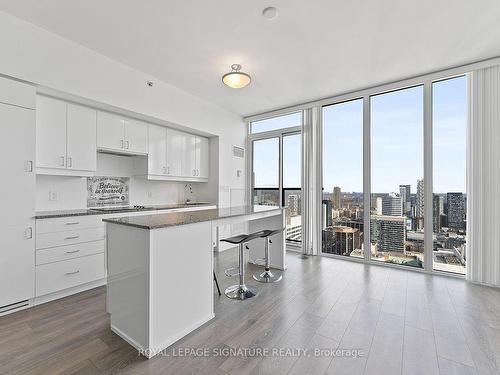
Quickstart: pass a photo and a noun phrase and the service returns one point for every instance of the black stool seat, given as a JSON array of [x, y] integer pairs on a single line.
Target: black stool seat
[[241, 238]]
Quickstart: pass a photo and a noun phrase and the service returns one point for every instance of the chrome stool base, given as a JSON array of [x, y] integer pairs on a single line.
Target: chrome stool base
[[241, 292], [267, 276]]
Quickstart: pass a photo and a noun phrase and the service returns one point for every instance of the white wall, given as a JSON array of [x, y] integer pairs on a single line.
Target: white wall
[[35, 55], [72, 191]]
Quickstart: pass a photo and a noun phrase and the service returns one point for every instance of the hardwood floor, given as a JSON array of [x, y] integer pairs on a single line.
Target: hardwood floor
[[403, 322]]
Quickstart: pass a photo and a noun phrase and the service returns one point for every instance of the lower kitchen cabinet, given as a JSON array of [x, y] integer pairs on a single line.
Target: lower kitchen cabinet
[[56, 276]]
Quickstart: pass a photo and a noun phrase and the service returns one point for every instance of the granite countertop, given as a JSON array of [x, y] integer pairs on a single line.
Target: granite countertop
[[95, 211], [183, 218]]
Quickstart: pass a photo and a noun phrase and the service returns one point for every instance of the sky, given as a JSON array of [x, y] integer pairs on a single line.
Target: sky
[[396, 142]]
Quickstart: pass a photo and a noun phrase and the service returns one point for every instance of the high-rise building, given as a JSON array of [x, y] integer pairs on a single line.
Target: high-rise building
[[456, 211], [336, 199], [391, 205], [293, 204], [376, 204], [437, 212], [327, 213], [341, 240], [388, 233], [420, 205], [405, 194]]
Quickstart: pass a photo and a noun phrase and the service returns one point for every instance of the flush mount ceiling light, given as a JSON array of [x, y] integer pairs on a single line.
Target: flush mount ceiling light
[[236, 79]]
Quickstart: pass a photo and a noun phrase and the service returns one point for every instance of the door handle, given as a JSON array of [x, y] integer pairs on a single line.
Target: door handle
[[168, 170], [73, 223], [62, 161], [72, 272], [164, 170], [69, 163], [72, 252], [121, 143], [72, 238], [126, 144], [194, 172], [28, 166], [28, 233]]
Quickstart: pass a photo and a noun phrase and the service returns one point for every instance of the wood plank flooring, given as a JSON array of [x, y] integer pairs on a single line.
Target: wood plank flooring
[[402, 322]]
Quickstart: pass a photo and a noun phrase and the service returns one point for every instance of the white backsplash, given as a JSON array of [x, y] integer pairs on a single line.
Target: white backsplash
[[71, 192]]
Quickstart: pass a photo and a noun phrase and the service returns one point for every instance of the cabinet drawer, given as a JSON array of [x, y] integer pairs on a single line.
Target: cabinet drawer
[[46, 240], [68, 273], [56, 254], [68, 223]]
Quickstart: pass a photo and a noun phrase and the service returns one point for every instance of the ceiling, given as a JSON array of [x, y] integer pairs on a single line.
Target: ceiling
[[314, 49]]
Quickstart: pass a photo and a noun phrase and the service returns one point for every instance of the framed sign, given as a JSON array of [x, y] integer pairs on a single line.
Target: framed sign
[[107, 191]]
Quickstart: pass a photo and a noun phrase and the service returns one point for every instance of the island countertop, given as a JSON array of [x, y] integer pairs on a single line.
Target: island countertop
[[182, 218]]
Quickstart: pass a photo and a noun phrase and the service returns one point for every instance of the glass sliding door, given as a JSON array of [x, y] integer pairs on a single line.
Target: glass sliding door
[[342, 203], [291, 192], [449, 168], [266, 171], [397, 191]]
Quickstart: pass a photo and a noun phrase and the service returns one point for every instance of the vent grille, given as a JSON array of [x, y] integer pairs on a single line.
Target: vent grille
[[13, 306], [238, 152]]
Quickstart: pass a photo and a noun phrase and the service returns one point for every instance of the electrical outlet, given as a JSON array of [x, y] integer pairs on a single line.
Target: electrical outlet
[[52, 195]]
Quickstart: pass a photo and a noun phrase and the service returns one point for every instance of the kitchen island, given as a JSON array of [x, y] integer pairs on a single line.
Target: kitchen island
[[160, 270]]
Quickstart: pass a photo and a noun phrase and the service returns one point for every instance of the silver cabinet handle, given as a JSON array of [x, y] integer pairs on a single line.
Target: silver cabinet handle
[[72, 238], [28, 233], [72, 272], [62, 161], [28, 166], [69, 162], [121, 143], [126, 144], [72, 251], [73, 223]]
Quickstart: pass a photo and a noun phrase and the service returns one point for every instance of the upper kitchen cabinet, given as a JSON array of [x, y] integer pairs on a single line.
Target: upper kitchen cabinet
[[157, 157], [119, 134], [65, 138], [177, 156]]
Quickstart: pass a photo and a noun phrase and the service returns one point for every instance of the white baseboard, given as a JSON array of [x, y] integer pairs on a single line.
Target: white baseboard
[[67, 292]]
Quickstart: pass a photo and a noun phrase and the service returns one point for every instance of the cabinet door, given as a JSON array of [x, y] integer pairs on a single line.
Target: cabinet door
[[157, 153], [110, 131], [17, 262], [188, 155], [202, 157], [81, 138], [136, 136], [50, 133], [175, 152], [17, 199]]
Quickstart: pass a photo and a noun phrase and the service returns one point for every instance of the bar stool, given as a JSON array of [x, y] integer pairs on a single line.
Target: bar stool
[[240, 291], [267, 276]]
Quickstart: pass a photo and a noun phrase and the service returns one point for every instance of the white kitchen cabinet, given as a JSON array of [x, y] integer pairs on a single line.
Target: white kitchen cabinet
[[119, 134], [175, 152], [50, 133], [110, 131], [202, 157], [17, 197], [66, 138], [136, 136], [157, 154], [189, 155], [81, 138]]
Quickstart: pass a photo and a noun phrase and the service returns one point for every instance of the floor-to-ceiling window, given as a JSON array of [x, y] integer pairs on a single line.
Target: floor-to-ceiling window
[[277, 167], [397, 192], [342, 201], [449, 110]]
